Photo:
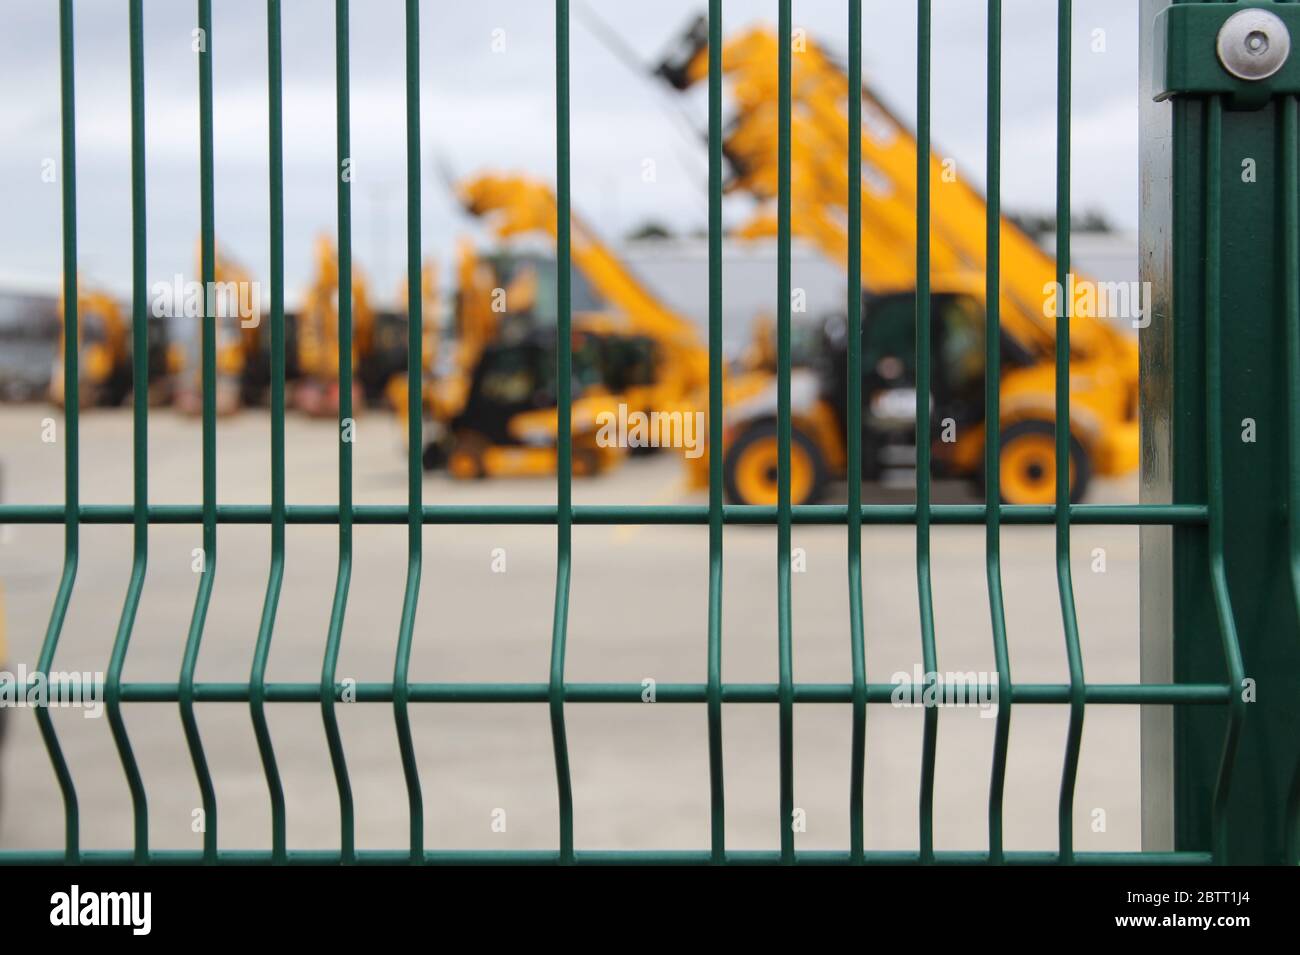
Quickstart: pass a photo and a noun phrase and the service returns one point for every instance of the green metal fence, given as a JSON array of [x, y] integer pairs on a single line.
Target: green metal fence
[[1200, 513]]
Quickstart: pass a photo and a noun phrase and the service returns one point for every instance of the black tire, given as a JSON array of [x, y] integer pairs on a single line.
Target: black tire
[[116, 390], [767, 431], [468, 446], [433, 456], [586, 461], [1040, 428]]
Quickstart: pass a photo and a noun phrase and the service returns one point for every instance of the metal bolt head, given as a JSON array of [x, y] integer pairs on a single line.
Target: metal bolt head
[[1253, 44]]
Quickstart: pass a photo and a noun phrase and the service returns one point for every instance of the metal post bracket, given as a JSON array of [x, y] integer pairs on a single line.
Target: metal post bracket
[[1240, 50]]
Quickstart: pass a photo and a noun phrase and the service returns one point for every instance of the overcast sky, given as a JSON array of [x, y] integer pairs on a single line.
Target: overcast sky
[[490, 110]]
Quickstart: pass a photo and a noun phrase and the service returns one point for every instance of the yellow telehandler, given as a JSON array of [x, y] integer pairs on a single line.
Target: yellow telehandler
[[1103, 361]]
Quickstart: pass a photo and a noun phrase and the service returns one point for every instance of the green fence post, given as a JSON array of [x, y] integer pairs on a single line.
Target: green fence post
[[1218, 603]]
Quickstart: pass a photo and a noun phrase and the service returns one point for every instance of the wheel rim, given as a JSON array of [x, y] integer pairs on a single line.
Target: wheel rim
[[1029, 470], [757, 473], [462, 465], [585, 462], [466, 459]]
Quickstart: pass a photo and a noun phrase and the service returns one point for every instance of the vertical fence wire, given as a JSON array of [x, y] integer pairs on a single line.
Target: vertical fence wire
[[414, 437], [1064, 312], [785, 663], [329, 668], [71, 427], [1214, 469], [929, 651], [717, 802], [275, 576], [564, 434], [857, 649], [992, 435], [203, 597], [139, 445]]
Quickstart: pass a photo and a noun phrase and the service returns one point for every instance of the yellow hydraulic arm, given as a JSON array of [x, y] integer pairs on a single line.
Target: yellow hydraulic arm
[[103, 335], [517, 205], [318, 345], [477, 320], [889, 151], [234, 354]]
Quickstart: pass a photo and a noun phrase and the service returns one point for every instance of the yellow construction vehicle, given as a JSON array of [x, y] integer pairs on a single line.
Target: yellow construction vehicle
[[1103, 361], [378, 340], [394, 338], [243, 367], [478, 312], [518, 205], [494, 411], [104, 359], [631, 353], [316, 346]]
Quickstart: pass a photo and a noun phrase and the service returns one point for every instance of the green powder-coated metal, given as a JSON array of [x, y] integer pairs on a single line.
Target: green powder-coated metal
[[208, 558], [1188, 31], [785, 644], [1065, 582], [275, 578], [71, 432], [924, 510], [502, 514], [1216, 370], [564, 506], [992, 434], [1289, 167], [333, 641], [1032, 693], [414, 438], [717, 801], [1214, 463], [139, 442], [857, 639], [1291, 293]]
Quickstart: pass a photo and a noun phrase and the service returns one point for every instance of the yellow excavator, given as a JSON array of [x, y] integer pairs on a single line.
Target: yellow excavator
[[316, 346], [1103, 361], [104, 360], [378, 340], [241, 362], [392, 337]]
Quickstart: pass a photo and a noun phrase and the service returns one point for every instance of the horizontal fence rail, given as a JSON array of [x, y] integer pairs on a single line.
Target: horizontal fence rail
[[554, 689], [501, 514]]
